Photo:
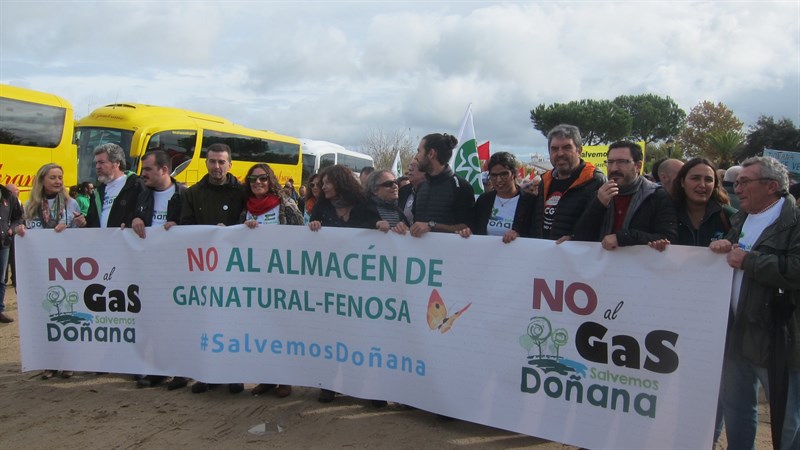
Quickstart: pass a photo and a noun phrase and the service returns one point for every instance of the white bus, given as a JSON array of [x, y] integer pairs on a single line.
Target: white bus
[[318, 155]]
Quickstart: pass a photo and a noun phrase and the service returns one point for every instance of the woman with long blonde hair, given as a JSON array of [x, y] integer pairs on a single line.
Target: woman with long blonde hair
[[50, 206]]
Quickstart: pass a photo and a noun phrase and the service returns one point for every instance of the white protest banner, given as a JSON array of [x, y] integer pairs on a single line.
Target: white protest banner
[[567, 342]]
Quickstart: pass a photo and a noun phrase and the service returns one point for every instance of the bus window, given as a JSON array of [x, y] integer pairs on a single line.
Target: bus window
[[178, 144], [30, 124], [327, 160], [354, 162], [309, 165], [252, 149], [89, 138]]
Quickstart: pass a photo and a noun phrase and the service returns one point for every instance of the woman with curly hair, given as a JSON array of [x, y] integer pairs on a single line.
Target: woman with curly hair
[[343, 202], [49, 206], [267, 204]]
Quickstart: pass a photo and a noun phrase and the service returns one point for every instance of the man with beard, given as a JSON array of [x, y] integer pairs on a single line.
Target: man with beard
[[567, 189], [628, 209], [217, 199], [159, 204], [443, 203], [114, 201]]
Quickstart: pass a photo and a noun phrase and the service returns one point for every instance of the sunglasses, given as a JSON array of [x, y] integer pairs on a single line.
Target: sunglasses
[[388, 184], [262, 178], [313, 185]]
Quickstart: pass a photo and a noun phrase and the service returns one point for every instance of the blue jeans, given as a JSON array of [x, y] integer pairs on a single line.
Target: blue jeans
[[740, 381], [3, 268]]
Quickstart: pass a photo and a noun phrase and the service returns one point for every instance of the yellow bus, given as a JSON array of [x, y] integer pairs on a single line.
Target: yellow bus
[[141, 128], [35, 129]]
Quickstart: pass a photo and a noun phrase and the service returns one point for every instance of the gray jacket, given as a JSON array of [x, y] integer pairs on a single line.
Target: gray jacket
[[772, 263]]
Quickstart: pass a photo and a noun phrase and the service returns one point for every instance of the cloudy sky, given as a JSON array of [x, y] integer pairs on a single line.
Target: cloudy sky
[[339, 70]]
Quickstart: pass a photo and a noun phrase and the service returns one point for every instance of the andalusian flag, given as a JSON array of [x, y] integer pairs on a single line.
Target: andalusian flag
[[465, 161], [397, 166]]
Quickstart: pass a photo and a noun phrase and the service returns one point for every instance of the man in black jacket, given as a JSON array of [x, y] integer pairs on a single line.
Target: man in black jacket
[[564, 191], [114, 201], [443, 203], [217, 199], [160, 203], [628, 209]]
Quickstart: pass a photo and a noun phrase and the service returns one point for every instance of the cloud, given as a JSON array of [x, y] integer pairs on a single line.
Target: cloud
[[336, 71]]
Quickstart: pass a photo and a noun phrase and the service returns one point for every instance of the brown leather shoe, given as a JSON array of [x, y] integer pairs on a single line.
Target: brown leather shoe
[[283, 390], [4, 318]]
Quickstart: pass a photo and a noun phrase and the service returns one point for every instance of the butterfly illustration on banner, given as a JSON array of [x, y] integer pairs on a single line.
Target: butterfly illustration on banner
[[437, 313]]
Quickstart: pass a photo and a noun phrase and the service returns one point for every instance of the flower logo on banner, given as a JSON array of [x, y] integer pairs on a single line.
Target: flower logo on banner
[[63, 303], [548, 343]]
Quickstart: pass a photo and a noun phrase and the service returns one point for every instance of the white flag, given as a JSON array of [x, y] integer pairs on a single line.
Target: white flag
[[464, 161], [397, 167]]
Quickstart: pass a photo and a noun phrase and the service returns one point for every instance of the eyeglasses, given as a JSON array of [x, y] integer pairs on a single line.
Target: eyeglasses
[[503, 175], [619, 162], [313, 185], [745, 181], [262, 178], [388, 184]]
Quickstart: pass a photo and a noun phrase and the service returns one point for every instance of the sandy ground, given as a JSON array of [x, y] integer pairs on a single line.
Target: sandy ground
[[108, 411]]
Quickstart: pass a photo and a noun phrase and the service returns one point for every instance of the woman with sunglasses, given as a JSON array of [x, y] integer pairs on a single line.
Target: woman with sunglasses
[[266, 204], [382, 189], [505, 211], [313, 193]]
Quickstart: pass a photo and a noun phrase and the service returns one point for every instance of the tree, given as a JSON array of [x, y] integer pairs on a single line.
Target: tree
[[704, 119], [653, 118], [722, 147], [383, 146], [767, 133], [600, 121]]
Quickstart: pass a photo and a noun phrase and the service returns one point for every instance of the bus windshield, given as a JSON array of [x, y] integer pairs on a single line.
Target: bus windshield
[[88, 138]]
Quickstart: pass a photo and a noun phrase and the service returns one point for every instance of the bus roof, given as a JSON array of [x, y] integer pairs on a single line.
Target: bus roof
[[135, 115], [314, 147], [29, 95]]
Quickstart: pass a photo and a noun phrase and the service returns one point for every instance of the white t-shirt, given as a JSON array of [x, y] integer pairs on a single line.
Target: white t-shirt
[[160, 201], [112, 191], [502, 217], [268, 218], [754, 225], [67, 214]]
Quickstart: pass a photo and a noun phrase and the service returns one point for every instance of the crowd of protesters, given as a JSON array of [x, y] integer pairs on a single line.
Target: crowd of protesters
[[746, 213]]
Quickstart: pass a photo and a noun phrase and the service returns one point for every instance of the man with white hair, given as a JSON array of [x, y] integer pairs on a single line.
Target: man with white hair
[[114, 201], [727, 183], [763, 342]]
